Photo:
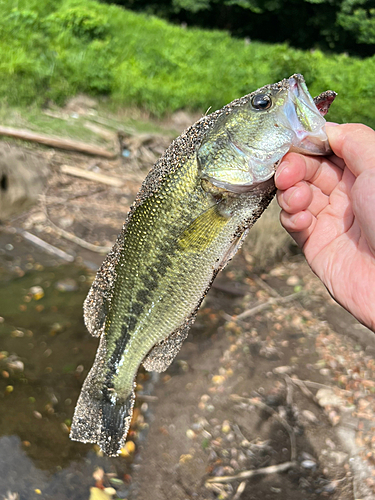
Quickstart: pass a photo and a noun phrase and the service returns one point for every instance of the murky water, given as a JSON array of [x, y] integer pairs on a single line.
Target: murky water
[[45, 354]]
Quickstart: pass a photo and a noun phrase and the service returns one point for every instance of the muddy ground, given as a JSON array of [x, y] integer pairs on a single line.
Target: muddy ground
[[273, 374]]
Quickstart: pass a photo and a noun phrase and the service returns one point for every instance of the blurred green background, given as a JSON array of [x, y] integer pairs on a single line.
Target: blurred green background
[[200, 54]]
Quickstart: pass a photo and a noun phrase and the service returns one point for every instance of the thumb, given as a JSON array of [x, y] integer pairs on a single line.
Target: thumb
[[363, 199]]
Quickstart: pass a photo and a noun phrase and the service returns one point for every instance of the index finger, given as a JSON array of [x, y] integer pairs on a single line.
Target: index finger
[[318, 170], [355, 143]]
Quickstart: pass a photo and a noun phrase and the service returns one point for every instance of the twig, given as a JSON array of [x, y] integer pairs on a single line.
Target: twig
[[79, 241], [92, 176], [57, 142], [265, 305], [317, 385], [271, 411], [72, 237], [228, 289], [246, 474], [263, 284], [289, 391], [240, 490], [303, 389], [147, 398], [45, 246], [58, 201], [102, 132]]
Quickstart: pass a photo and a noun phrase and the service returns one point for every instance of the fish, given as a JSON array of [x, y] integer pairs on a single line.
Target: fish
[[191, 215]]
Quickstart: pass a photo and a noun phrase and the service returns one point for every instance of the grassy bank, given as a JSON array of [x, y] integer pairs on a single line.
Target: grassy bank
[[51, 50]]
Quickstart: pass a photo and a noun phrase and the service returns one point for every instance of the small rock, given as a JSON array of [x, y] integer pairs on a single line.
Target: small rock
[[37, 292], [225, 427], [190, 434], [185, 458], [234, 464], [218, 379], [326, 397], [325, 372], [293, 280], [67, 285], [310, 417], [281, 370], [308, 464], [334, 417]]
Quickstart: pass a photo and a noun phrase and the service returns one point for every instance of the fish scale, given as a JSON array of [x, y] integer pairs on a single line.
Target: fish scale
[[192, 213]]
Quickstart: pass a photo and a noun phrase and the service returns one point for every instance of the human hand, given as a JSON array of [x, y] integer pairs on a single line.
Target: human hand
[[328, 207]]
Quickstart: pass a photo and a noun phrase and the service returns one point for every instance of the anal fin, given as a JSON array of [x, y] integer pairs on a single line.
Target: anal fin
[[163, 353]]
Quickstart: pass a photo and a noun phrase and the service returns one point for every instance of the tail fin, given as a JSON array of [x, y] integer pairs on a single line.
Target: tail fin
[[116, 420], [101, 417]]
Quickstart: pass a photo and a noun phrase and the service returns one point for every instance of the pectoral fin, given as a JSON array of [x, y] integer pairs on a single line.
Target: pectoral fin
[[203, 230]]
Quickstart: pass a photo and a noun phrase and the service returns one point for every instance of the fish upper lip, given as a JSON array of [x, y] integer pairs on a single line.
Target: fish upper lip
[[314, 141]]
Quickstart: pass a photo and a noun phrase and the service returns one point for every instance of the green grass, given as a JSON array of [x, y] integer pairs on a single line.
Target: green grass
[[51, 50]]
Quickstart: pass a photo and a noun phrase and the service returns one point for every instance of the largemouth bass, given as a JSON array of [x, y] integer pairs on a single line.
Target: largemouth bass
[[190, 216]]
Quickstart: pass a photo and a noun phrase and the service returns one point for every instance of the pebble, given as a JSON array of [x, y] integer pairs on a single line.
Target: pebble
[[326, 397], [325, 372], [37, 292], [128, 449], [16, 365], [293, 281], [190, 434], [185, 458], [67, 285], [281, 370], [310, 417], [308, 464], [218, 379], [225, 427]]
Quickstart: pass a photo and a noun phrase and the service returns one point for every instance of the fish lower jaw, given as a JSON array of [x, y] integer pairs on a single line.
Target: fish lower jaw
[[244, 188]]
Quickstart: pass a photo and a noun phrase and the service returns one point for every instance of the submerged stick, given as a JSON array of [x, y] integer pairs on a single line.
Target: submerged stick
[[246, 474]]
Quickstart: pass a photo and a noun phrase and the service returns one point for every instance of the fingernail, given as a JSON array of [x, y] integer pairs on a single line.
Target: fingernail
[[281, 168], [288, 196], [331, 124]]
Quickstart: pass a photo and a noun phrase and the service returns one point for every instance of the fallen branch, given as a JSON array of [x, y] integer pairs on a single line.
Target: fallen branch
[[56, 142], [92, 176], [271, 411], [265, 305], [246, 474]]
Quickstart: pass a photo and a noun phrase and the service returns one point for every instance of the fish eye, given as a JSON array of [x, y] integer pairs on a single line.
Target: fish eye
[[261, 102]]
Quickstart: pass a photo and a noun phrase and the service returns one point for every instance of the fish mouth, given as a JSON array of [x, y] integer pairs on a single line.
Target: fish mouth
[[305, 120]]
